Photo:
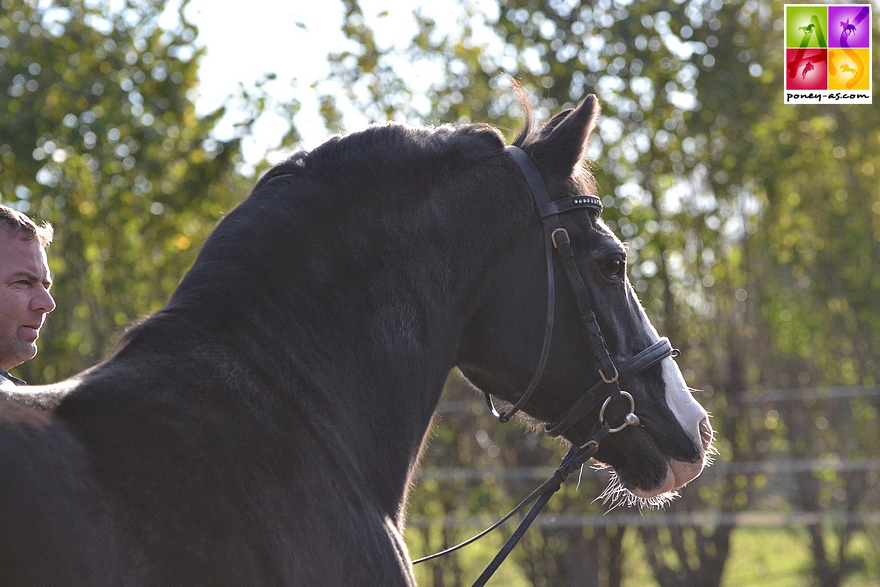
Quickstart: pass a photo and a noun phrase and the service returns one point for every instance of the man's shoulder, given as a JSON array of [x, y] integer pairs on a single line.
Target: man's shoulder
[[7, 380]]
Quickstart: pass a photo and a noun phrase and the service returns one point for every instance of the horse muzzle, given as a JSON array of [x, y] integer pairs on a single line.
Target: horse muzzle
[[680, 473]]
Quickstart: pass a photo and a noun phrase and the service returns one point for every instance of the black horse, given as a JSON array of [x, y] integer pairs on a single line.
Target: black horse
[[262, 429]]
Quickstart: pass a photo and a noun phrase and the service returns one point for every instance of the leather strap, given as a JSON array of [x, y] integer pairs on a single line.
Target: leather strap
[[556, 237], [599, 349], [572, 461], [542, 198], [591, 398]]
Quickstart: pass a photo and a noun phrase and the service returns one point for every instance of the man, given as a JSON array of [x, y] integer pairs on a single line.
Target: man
[[24, 289]]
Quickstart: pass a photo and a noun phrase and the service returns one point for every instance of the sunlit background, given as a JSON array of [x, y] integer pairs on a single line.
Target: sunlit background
[[753, 227]]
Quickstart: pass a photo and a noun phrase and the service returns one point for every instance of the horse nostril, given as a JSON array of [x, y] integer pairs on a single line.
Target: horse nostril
[[706, 434]]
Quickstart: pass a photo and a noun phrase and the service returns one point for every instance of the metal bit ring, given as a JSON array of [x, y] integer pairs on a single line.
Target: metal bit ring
[[629, 420]]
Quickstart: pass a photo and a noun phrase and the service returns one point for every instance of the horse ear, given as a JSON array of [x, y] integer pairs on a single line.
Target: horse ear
[[564, 145], [554, 122]]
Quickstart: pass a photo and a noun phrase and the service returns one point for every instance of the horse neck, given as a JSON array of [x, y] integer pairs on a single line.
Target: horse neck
[[363, 314]]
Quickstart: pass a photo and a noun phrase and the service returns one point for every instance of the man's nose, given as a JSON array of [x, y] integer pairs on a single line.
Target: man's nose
[[43, 301]]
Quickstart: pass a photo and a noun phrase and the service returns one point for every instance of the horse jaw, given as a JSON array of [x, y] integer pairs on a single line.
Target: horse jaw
[[694, 420]]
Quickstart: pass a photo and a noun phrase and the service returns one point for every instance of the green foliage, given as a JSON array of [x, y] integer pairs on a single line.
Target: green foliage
[[371, 75], [98, 135]]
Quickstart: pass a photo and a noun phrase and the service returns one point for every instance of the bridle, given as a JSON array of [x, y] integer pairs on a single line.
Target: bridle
[[556, 237], [606, 390]]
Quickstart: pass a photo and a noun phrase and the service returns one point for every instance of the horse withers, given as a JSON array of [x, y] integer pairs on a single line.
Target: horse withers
[[263, 428]]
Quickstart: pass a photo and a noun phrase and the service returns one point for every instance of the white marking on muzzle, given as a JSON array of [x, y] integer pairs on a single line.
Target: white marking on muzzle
[[682, 403], [694, 420], [691, 416]]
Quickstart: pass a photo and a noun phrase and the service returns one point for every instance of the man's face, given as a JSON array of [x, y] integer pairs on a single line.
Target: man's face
[[24, 297]]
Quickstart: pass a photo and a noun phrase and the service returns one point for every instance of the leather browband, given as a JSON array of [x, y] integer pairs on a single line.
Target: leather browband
[[555, 207]]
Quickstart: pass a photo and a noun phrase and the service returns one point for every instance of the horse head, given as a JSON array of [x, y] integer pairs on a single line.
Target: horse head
[[593, 327]]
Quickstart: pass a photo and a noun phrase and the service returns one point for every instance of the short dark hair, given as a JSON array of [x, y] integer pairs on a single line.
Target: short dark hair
[[20, 224]]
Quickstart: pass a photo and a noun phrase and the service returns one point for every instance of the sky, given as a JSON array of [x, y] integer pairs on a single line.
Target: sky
[[290, 39]]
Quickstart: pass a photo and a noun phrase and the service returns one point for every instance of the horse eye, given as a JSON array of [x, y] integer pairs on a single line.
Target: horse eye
[[613, 269]]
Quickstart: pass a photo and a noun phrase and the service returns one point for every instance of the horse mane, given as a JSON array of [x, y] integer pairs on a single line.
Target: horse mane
[[402, 148], [346, 169], [291, 195]]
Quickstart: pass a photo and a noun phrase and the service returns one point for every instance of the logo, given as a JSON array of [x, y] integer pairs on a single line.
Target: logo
[[827, 54]]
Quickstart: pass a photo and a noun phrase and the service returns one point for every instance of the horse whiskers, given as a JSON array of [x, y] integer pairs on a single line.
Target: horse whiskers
[[709, 458], [616, 495]]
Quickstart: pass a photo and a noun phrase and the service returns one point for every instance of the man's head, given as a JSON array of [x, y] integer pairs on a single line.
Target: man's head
[[24, 285]]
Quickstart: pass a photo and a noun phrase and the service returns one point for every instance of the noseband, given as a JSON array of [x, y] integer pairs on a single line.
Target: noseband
[[606, 390]]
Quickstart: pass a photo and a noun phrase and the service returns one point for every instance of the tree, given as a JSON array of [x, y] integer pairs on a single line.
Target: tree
[[820, 245], [98, 135]]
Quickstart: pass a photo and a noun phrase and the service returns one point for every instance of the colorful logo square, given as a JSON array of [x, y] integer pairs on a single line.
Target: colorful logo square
[[807, 69], [848, 69], [849, 26], [806, 26]]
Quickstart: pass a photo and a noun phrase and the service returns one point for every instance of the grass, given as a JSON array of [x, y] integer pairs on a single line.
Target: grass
[[763, 557], [768, 557], [759, 557]]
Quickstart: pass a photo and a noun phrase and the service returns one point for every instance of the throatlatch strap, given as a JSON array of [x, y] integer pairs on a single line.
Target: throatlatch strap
[[545, 348]]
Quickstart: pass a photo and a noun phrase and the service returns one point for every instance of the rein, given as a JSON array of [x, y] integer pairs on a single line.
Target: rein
[[610, 375]]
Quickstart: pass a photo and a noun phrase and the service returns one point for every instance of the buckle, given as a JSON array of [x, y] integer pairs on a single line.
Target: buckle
[[553, 237], [611, 379]]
